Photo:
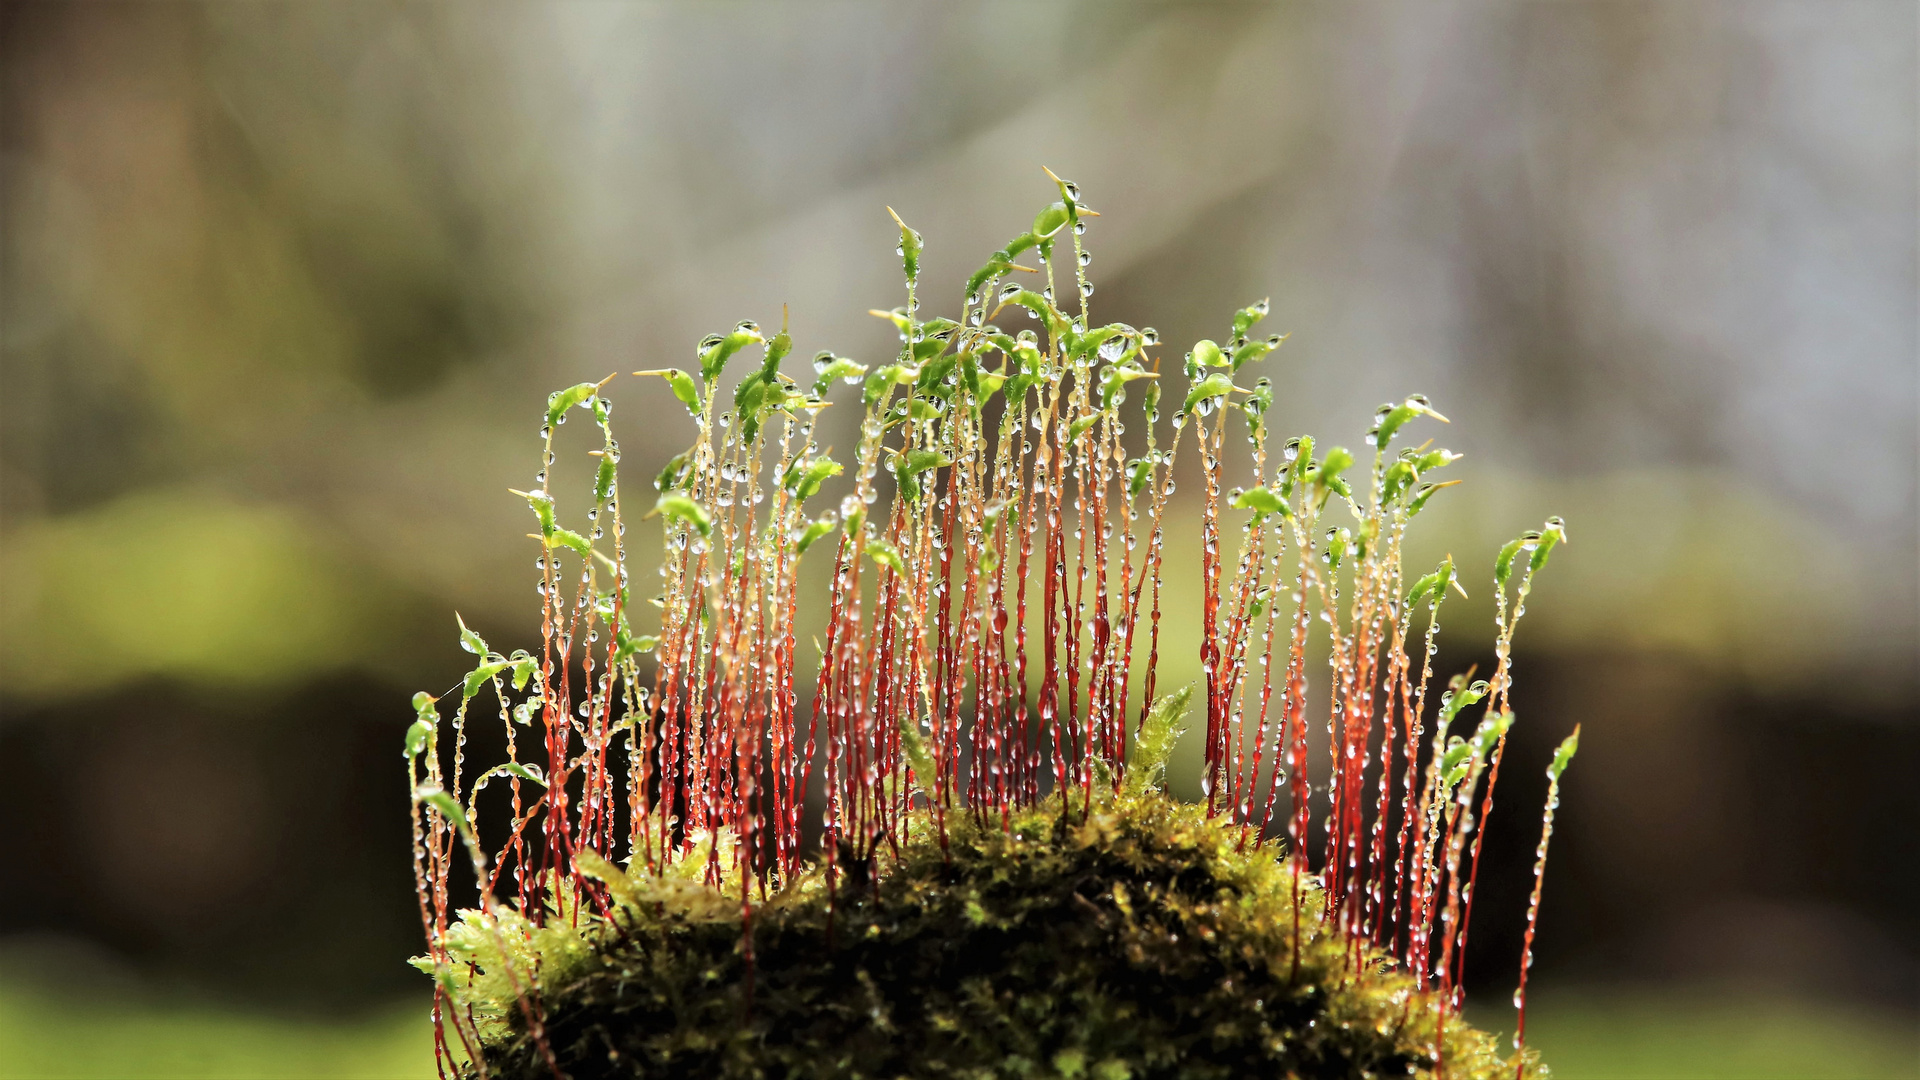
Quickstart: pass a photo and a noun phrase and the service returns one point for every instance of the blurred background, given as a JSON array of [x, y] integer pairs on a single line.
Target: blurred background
[[284, 287]]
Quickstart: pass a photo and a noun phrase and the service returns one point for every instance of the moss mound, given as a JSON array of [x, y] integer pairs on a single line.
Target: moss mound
[[1138, 940]]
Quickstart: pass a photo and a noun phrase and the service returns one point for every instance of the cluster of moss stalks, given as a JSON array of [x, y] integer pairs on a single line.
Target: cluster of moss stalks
[[1132, 939]]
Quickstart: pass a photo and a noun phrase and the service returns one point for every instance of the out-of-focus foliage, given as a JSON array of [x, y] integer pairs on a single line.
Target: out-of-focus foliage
[[59, 1037], [1717, 1033], [320, 256], [175, 582]]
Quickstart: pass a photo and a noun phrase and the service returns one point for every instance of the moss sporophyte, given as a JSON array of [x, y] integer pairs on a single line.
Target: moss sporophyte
[[976, 743]]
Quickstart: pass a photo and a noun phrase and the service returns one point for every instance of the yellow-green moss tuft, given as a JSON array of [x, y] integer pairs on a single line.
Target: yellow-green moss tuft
[[1138, 940]]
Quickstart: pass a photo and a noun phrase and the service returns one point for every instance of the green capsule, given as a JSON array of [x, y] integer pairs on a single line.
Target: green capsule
[[1564, 755], [685, 509], [812, 533], [562, 400], [909, 249]]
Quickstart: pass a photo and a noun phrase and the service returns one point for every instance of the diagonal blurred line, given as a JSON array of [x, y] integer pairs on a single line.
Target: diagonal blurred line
[[1165, 129], [1416, 60]]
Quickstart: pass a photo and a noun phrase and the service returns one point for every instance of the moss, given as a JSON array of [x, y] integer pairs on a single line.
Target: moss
[[1130, 937], [1139, 940]]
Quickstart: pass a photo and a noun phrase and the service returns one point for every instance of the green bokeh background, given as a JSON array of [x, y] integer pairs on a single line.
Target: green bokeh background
[[285, 284]]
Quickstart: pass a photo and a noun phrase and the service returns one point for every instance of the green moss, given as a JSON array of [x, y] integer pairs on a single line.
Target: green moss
[[1130, 937], [1139, 940]]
